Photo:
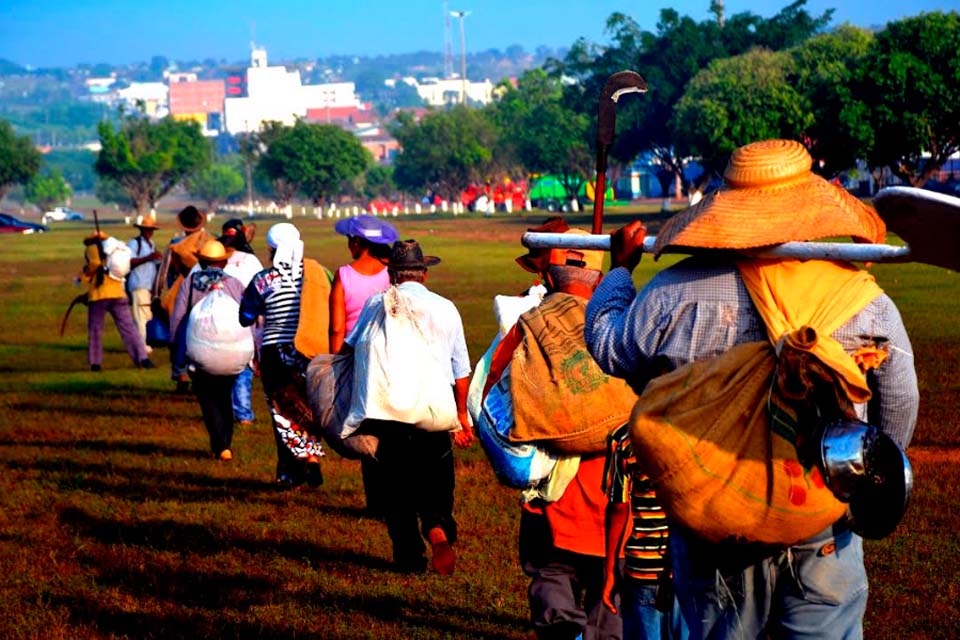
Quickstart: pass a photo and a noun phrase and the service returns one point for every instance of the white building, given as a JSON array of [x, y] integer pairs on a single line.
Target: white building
[[153, 96], [273, 93], [438, 92]]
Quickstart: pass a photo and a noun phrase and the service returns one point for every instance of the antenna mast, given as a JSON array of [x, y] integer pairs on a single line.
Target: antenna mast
[[447, 46]]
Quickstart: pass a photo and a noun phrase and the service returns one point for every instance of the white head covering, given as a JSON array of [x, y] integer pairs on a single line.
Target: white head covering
[[284, 239]]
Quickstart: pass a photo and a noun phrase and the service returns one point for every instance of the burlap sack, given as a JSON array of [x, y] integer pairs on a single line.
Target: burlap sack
[[722, 467], [561, 398]]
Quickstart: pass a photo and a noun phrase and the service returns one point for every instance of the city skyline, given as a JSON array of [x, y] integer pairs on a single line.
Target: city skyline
[[65, 33]]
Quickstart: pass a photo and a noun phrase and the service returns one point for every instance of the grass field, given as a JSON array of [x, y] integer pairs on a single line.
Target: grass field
[[114, 523]]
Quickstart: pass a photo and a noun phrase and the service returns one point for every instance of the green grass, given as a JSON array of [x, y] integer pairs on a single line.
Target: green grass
[[114, 523]]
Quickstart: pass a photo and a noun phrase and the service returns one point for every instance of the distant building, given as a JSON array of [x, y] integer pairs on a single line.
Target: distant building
[[200, 101], [153, 96], [438, 92], [275, 94]]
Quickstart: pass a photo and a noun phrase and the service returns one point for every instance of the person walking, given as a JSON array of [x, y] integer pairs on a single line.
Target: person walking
[[106, 294], [292, 296], [704, 309], [212, 389], [418, 462], [144, 265], [369, 240]]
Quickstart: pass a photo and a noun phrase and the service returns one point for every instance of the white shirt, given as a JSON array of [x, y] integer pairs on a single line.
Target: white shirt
[[143, 275]]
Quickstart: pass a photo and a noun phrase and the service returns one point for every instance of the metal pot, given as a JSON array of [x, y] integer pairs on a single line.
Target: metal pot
[[864, 467]]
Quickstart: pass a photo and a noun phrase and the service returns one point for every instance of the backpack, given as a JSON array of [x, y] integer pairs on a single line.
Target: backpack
[[117, 256], [216, 342]]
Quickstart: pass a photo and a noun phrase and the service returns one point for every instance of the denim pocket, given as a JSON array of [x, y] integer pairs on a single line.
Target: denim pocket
[[830, 571]]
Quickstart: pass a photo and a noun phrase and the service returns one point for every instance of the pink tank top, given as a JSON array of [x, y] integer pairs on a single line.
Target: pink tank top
[[357, 288]]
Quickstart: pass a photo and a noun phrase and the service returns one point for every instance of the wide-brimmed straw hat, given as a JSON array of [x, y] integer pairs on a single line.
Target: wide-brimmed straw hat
[[147, 222], [407, 254], [770, 196], [191, 219], [367, 227], [214, 251]]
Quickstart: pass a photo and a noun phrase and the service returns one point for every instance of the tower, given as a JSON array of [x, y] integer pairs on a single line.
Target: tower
[[447, 46]]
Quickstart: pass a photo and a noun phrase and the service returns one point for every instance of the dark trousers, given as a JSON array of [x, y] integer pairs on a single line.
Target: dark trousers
[[96, 319], [566, 588], [215, 395], [418, 484]]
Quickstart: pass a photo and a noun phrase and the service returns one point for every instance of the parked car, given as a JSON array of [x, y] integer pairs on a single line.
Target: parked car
[[12, 224], [61, 214]]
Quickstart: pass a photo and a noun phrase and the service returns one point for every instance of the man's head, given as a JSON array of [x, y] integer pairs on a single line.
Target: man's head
[[573, 270], [213, 254], [191, 219], [147, 225], [235, 234], [770, 196], [407, 262]]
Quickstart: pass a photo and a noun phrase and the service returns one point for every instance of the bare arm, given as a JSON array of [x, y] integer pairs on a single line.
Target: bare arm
[[617, 521], [464, 437], [338, 314]]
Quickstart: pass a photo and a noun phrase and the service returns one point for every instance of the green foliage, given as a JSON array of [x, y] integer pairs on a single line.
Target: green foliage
[[378, 182], [315, 158], [541, 132], [111, 192], [825, 66], [215, 183], [735, 101], [76, 167], [445, 152], [19, 160], [908, 87], [149, 159], [47, 188]]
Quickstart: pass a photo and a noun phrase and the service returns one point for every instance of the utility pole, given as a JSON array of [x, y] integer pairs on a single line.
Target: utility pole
[[447, 46], [463, 56]]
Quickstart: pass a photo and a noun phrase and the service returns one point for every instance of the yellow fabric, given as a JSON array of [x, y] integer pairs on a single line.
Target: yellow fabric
[[561, 398], [791, 295], [109, 288], [312, 337], [722, 438]]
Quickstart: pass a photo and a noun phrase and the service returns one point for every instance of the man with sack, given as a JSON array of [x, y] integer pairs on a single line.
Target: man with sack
[[216, 348], [567, 405], [144, 262], [760, 353], [105, 294], [411, 374]]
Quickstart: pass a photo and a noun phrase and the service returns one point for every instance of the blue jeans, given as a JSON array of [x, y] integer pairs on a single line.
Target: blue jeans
[[242, 404], [813, 589]]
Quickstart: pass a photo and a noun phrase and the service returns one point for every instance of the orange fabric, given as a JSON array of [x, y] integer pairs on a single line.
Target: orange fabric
[[312, 337], [577, 518]]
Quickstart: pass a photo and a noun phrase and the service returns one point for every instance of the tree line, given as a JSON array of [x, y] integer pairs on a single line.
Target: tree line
[[887, 101]]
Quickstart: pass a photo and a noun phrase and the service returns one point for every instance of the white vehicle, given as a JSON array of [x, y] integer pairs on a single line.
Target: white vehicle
[[61, 214]]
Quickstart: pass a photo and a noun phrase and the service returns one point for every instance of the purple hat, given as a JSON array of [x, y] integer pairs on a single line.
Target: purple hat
[[367, 227]]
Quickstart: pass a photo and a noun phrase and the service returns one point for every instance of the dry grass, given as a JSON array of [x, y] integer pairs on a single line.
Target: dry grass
[[114, 523]]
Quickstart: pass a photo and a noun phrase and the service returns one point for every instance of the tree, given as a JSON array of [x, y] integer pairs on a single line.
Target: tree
[[908, 88], [541, 133], [825, 67], [668, 59], [316, 158], [76, 166], [19, 160], [215, 183], [735, 101], [149, 159], [47, 188], [110, 192], [446, 151], [378, 182]]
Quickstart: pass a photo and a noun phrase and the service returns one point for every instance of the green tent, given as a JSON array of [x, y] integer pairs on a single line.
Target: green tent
[[548, 187], [587, 191]]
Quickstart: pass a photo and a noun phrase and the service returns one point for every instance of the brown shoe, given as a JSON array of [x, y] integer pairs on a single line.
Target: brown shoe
[[226, 455], [443, 560]]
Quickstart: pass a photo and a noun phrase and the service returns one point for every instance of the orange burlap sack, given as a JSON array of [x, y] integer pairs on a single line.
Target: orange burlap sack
[[705, 436], [561, 398], [313, 337]]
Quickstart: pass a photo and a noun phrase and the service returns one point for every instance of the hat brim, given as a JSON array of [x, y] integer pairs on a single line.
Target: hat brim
[[929, 222], [745, 218], [428, 261], [197, 227], [348, 227], [228, 251]]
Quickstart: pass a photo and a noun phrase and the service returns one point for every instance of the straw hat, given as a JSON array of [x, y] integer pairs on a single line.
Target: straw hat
[[407, 254], [147, 222], [770, 196], [191, 219], [213, 251]]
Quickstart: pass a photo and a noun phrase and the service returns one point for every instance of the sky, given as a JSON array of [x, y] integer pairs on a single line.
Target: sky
[[63, 33]]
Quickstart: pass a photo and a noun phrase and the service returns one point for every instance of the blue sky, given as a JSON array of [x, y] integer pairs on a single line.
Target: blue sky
[[68, 32]]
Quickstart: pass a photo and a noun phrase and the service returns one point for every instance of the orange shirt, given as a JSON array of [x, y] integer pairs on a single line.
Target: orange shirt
[[577, 518]]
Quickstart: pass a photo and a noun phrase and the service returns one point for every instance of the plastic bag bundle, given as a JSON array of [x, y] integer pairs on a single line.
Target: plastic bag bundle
[[216, 342]]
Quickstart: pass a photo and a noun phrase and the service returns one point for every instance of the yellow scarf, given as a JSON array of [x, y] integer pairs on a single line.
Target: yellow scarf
[[793, 297], [312, 336]]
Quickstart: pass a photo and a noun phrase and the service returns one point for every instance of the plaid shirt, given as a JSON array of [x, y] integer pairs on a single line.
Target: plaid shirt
[[700, 308]]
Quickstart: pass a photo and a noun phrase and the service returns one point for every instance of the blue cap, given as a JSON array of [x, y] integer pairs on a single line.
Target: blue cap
[[367, 227]]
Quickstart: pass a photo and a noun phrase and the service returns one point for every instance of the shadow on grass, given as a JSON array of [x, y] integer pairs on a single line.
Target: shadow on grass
[[111, 446], [170, 535], [135, 413]]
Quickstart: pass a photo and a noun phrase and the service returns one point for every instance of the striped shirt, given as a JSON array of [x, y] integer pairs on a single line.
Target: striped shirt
[[646, 549], [271, 296], [700, 308]]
